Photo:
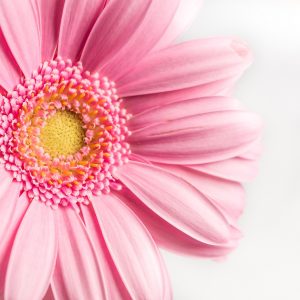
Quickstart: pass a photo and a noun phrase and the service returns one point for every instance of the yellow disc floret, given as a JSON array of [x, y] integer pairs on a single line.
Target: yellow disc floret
[[63, 134]]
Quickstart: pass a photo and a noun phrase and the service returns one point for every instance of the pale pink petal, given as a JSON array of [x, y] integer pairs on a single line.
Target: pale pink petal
[[182, 109], [236, 169], [12, 209], [113, 28], [125, 33], [176, 201], [9, 71], [20, 28], [77, 21], [198, 139], [49, 16], [9, 192], [77, 272], [32, 257], [185, 15], [254, 152], [114, 286], [171, 237], [132, 250], [186, 65], [141, 103], [227, 195]]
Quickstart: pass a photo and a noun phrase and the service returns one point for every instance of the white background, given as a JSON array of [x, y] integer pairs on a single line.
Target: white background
[[266, 266]]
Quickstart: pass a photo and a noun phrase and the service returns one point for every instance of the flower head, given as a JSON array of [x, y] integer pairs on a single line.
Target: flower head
[[115, 141]]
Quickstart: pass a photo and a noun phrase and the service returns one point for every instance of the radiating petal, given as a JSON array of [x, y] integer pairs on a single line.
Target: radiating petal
[[125, 33], [132, 250], [33, 255], [9, 71], [12, 209], [227, 195], [176, 201], [186, 65], [20, 28], [254, 152], [49, 16], [77, 272], [141, 103], [185, 15], [113, 283], [112, 30], [182, 109], [77, 21], [171, 237], [236, 169], [198, 139], [9, 192]]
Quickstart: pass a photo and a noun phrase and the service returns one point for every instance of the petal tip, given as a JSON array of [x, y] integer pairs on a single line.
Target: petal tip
[[242, 50]]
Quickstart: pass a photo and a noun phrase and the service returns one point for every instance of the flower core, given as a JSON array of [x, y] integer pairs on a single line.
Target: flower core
[[64, 134]]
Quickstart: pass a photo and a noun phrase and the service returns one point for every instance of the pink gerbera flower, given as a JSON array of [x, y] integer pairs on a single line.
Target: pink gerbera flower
[[114, 141]]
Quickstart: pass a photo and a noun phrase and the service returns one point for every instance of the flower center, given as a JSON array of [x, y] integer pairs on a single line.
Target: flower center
[[63, 134]]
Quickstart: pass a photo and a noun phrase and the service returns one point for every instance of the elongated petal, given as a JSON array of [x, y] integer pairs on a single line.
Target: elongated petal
[[12, 209], [132, 250], [114, 285], [185, 15], [186, 65], [130, 32], [254, 152], [236, 169], [49, 16], [9, 71], [23, 40], [112, 30], [77, 272], [198, 139], [77, 21], [182, 109], [227, 195], [33, 255], [171, 237], [176, 201], [142, 103]]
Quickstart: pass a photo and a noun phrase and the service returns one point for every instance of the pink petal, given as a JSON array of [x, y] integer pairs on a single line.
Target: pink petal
[[49, 16], [77, 21], [12, 210], [141, 103], [254, 152], [20, 28], [132, 250], [33, 255], [228, 196], [185, 15], [113, 283], [171, 237], [126, 27], [9, 193], [176, 201], [77, 273], [182, 109], [198, 139], [186, 65], [9, 71], [236, 169]]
